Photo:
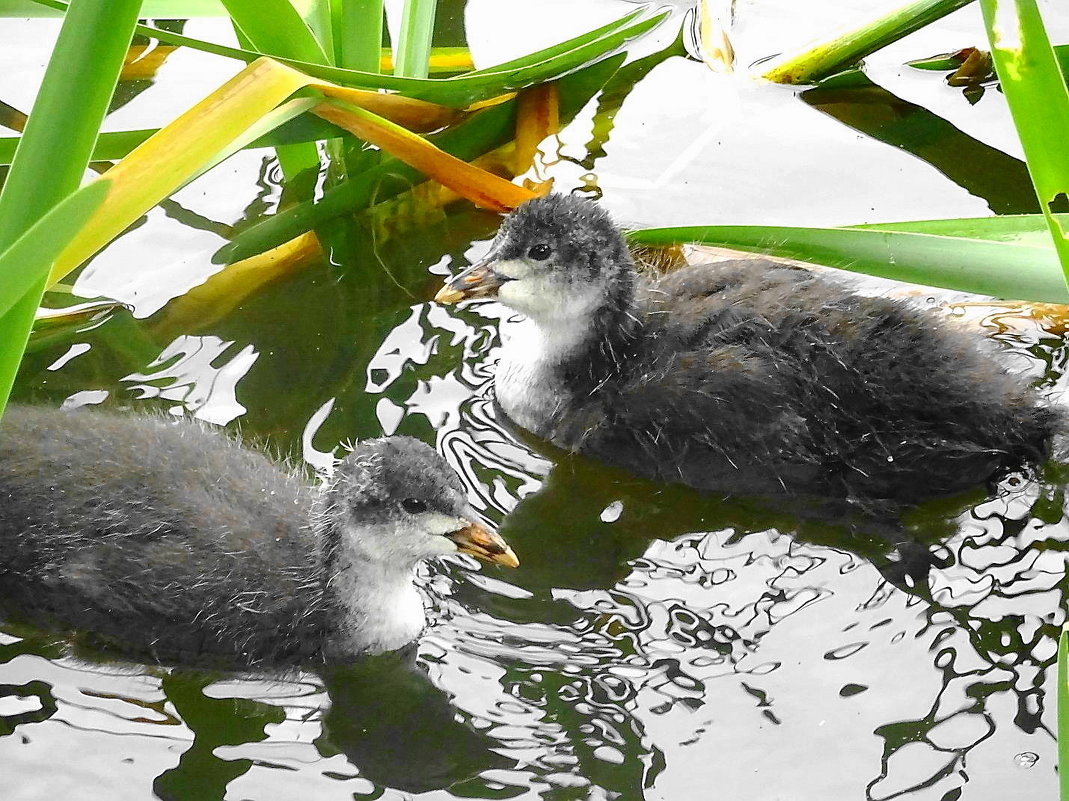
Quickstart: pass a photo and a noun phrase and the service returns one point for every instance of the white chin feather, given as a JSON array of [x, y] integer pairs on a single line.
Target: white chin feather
[[551, 299]]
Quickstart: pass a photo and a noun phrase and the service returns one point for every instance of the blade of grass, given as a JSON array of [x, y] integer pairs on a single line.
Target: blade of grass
[[414, 39], [986, 267], [55, 149], [459, 91], [1036, 93], [360, 36], [276, 29], [28, 258], [845, 48], [155, 9], [1063, 713], [1021, 229], [318, 17]]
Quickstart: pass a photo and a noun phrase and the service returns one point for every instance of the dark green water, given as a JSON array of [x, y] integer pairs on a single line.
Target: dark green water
[[654, 643]]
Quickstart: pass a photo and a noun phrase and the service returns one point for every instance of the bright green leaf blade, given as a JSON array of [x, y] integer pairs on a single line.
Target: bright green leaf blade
[[1063, 713], [1021, 229], [31, 255], [359, 38], [62, 128], [317, 16], [1039, 101], [848, 47], [969, 265], [462, 90], [414, 39], [54, 150], [154, 9], [613, 33], [276, 29], [109, 146]]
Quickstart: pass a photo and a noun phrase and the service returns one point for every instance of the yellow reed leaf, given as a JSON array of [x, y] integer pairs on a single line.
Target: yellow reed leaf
[[162, 163], [142, 61], [537, 116], [225, 291], [415, 115], [480, 187], [185, 147], [443, 59]]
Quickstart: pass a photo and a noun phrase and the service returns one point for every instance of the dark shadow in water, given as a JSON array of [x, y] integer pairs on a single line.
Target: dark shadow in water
[[398, 729], [980, 169], [385, 717], [200, 775], [590, 520]]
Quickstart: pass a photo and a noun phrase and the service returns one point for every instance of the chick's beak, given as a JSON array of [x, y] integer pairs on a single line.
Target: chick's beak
[[478, 281], [484, 544]]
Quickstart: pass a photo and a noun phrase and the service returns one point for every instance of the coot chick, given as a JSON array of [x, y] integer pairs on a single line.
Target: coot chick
[[165, 538], [745, 376]]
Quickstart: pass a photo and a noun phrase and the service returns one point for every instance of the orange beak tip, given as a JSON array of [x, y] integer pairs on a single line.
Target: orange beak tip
[[484, 544], [448, 295]]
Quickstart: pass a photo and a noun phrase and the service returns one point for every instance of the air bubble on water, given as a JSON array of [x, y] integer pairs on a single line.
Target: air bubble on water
[[1026, 759], [612, 512]]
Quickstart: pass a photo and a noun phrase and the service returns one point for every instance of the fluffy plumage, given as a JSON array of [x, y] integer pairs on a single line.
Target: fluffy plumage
[[167, 538], [743, 376]]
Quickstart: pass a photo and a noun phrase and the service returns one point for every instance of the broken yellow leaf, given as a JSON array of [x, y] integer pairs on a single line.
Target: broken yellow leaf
[[481, 188]]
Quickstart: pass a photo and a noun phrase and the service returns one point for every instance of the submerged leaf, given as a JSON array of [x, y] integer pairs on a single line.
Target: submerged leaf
[[223, 292], [537, 117], [142, 61]]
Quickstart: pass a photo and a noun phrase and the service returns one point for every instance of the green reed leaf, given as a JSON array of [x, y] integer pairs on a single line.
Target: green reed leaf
[[358, 34], [846, 48], [1036, 92], [276, 29], [984, 266], [54, 150], [414, 39], [462, 90], [1063, 713]]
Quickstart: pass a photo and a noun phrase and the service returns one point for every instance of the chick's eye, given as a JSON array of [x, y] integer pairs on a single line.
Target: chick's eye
[[414, 506], [540, 252]]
